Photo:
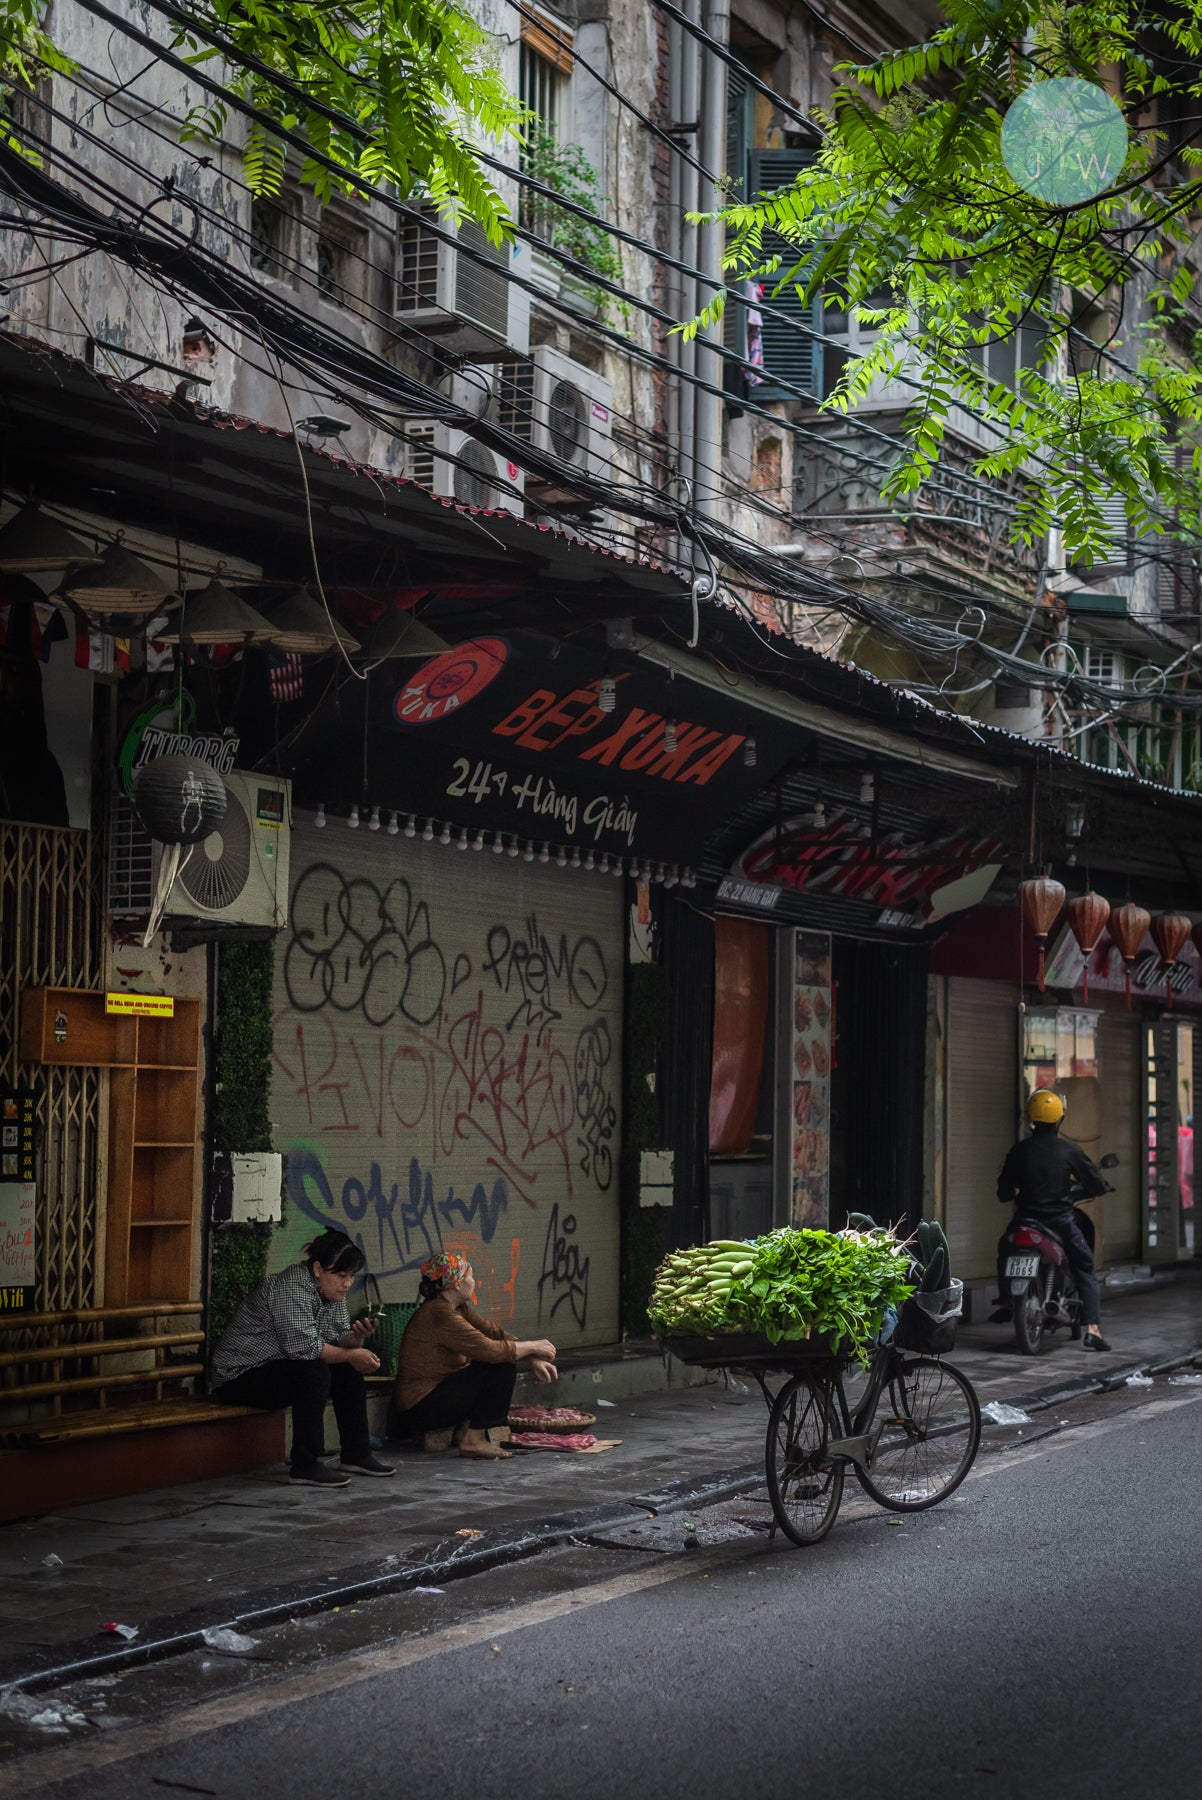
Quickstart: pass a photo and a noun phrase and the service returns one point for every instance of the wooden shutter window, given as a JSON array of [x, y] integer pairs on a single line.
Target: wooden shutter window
[[552, 42], [792, 350]]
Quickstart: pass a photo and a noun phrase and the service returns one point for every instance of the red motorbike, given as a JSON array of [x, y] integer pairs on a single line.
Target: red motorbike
[[1036, 1281]]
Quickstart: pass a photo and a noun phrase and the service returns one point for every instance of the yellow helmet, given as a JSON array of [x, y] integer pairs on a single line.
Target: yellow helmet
[[1045, 1107]]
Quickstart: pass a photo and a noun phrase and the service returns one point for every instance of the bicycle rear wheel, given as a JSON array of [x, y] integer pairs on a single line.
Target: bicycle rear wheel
[[929, 1422], [805, 1486]]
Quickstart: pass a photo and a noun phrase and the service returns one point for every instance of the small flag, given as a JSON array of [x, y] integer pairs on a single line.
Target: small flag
[[93, 647], [53, 627], [160, 655], [285, 675]]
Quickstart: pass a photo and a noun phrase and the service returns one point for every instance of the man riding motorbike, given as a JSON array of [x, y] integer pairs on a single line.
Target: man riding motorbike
[[1036, 1179]]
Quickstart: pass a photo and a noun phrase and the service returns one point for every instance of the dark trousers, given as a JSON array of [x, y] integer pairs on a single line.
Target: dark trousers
[[305, 1387], [480, 1394], [1080, 1260]]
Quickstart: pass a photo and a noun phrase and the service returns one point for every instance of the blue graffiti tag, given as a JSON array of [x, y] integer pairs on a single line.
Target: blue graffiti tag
[[403, 1232]]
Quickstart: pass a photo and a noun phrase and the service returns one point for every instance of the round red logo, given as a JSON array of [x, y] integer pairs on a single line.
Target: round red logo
[[449, 681]]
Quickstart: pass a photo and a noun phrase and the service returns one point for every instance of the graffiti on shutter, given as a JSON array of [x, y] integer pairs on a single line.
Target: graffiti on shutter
[[446, 1041]]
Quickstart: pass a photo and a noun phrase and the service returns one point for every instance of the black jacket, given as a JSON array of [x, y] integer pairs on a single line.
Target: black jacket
[[1039, 1171]]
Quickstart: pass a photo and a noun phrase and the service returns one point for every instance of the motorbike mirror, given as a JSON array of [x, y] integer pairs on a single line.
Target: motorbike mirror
[[1109, 1161]]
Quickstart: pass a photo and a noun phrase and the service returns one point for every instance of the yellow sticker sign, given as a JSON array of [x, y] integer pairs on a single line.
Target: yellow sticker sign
[[146, 1006]]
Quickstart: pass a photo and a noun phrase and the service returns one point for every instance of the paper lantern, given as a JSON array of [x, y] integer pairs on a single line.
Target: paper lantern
[[302, 624], [214, 614], [399, 635], [1087, 916], [1170, 933], [33, 544], [1128, 924], [120, 582], [1041, 902], [179, 799]]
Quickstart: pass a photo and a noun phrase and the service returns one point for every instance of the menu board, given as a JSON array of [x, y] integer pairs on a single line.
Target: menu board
[[811, 1064], [16, 1245], [18, 1134]]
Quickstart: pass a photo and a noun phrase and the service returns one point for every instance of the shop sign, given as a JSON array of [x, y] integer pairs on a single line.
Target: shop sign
[[17, 1200], [749, 893], [842, 859], [143, 1006], [1108, 975], [517, 741]]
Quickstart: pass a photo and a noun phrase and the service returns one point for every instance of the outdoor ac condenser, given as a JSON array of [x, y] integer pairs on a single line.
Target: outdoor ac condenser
[[563, 408], [238, 876], [448, 461], [452, 285]]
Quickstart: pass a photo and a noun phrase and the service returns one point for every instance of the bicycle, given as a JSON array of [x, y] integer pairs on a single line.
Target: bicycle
[[908, 1455]]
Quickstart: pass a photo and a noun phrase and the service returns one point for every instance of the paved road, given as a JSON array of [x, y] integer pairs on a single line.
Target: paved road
[[1035, 1636]]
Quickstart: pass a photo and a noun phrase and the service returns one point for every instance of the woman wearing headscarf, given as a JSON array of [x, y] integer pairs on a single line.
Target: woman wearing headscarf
[[456, 1369]]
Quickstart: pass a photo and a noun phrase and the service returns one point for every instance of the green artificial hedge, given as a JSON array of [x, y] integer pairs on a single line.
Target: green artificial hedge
[[241, 1113]]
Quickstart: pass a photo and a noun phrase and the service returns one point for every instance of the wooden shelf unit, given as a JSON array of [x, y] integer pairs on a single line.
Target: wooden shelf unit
[[154, 1090]]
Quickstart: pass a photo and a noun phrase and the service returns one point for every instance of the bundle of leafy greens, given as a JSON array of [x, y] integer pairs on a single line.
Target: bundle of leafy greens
[[790, 1285]]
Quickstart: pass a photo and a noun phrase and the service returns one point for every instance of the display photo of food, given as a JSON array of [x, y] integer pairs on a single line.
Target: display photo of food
[[821, 1006], [802, 1098], [801, 1058], [820, 1056], [801, 1012]]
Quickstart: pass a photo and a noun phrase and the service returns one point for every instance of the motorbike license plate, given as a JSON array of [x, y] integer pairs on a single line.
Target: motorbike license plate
[[1020, 1268]]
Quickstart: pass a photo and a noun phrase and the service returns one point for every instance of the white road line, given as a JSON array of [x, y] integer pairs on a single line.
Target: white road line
[[92, 1754]]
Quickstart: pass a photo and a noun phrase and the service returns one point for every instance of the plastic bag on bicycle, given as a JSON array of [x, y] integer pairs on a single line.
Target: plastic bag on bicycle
[[928, 1321]]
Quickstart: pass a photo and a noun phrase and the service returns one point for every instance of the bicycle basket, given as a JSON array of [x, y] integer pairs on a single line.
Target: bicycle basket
[[928, 1321]]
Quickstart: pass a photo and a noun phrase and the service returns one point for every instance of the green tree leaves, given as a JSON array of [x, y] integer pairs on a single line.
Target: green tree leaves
[[909, 197]]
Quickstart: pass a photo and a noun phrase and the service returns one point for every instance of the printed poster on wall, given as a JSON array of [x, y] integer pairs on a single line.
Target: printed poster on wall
[[811, 1161], [447, 1042], [16, 1245]]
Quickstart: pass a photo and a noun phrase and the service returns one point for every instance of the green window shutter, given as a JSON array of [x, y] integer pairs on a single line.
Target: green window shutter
[[792, 351]]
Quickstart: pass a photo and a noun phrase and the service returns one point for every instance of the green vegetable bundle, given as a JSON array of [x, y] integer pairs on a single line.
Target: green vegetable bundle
[[789, 1285]]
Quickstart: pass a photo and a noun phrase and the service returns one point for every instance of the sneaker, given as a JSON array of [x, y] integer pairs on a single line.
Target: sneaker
[[317, 1475], [1093, 1340], [368, 1465]]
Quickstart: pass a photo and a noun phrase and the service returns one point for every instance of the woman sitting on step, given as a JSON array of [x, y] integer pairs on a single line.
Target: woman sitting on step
[[457, 1370]]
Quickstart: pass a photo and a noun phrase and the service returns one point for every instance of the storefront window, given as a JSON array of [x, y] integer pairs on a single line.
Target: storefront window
[[1058, 1044]]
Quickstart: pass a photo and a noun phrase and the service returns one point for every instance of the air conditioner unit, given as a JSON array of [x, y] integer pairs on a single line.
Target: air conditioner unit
[[453, 285], [237, 876], [564, 409], [448, 461]]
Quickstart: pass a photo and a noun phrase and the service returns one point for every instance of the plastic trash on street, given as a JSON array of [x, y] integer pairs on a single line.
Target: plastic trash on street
[[220, 1637], [998, 1413], [1139, 1380]]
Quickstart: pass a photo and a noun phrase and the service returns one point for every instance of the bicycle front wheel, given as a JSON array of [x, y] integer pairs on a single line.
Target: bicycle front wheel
[[805, 1485], [929, 1424]]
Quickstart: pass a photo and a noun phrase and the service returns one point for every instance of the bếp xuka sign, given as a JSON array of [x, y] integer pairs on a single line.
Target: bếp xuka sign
[[508, 737]]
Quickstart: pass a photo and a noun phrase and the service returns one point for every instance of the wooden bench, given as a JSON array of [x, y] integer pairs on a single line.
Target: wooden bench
[[80, 1390], [64, 1366]]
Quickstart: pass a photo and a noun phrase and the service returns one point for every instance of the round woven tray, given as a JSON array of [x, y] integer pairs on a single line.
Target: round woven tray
[[585, 1422]]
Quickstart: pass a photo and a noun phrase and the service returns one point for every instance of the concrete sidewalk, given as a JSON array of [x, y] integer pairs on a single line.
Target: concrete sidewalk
[[180, 1558]]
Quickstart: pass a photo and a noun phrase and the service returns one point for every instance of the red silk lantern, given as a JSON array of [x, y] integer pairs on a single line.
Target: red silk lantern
[[1041, 902], [1087, 916], [1127, 927], [1170, 933], [1196, 934]]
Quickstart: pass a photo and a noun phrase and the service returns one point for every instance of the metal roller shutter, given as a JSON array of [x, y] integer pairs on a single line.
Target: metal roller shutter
[[982, 1062], [447, 1042], [1120, 1074]]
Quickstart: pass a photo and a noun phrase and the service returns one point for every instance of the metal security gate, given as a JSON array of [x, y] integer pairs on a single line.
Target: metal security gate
[[982, 1078], [447, 1045], [1120, 1078], [50, 937]]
